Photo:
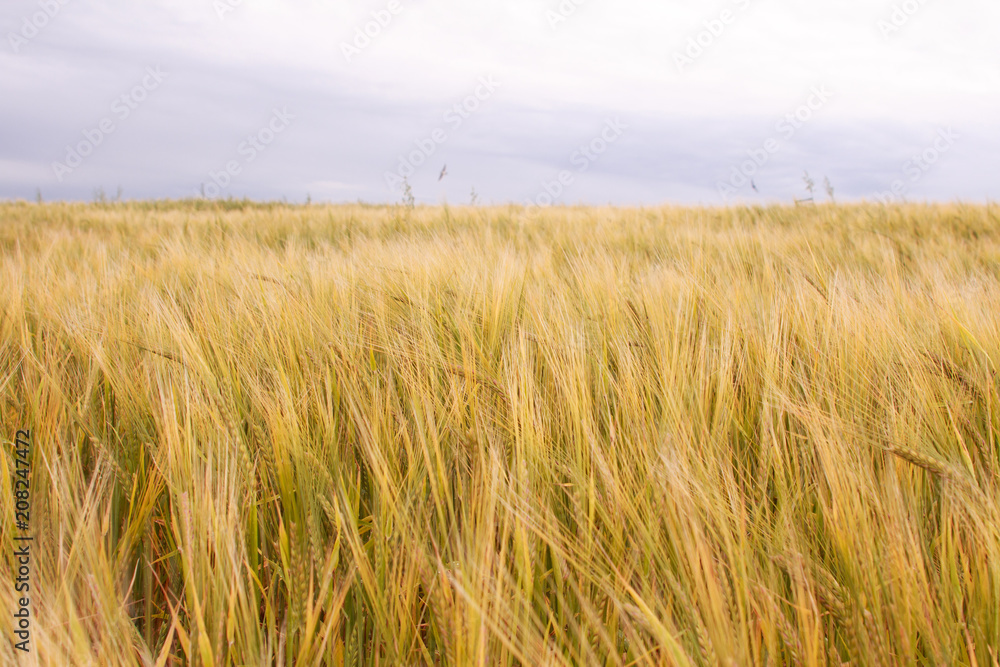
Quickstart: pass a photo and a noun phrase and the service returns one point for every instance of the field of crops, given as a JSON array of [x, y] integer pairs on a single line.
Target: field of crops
[[367, 435]]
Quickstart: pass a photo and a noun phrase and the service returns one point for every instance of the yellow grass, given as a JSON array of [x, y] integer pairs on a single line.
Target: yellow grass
[[575, 436]]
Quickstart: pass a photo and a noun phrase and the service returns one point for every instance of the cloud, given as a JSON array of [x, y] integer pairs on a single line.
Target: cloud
[[355, 118]]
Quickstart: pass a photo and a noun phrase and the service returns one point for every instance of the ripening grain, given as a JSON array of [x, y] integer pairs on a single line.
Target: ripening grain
[[577, 436]]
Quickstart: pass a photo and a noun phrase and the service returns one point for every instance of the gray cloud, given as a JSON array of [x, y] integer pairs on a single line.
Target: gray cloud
[[352, 122]]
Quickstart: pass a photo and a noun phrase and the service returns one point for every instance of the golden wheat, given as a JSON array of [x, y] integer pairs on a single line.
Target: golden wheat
[[369, 435]]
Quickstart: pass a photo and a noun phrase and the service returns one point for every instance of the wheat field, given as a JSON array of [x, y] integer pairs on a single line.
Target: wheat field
[[382, 435]]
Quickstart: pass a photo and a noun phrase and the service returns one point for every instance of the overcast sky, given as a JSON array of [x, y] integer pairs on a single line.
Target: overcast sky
[[629, 102]]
